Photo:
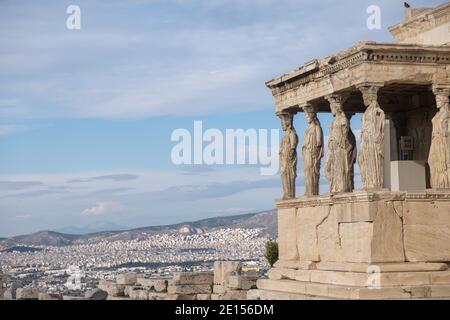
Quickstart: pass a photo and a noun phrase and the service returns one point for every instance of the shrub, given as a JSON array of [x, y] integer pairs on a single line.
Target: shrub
[[271, 253]]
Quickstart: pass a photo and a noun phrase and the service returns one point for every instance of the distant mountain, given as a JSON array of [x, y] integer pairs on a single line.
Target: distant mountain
[[266, 220], [95, 227], [48, 238]]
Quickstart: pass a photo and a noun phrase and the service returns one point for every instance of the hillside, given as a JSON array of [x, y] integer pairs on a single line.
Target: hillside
[[265, 220]]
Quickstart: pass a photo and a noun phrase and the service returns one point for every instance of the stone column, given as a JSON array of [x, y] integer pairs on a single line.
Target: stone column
[[339, 163], [288, 155], [312, 151], [371, 151], [439, 157]]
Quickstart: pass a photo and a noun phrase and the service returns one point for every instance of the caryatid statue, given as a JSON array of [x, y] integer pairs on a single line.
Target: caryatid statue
[[312, 152], [288, 155], [371, 153], [338, 168], [353, 151], [439, 158]]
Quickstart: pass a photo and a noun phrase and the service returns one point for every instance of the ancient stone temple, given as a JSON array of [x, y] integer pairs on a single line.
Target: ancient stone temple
[[391, 238]]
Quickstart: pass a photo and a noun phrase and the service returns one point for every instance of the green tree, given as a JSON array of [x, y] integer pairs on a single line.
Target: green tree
[[271, 253]]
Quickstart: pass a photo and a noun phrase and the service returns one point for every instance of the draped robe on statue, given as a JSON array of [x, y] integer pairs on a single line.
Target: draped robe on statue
[[439, 159], [312, 153], [371, 155], [288, 163], [337, 168]]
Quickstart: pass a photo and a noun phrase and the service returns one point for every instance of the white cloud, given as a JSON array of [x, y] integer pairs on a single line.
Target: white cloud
[[143, 68], [96, 210]]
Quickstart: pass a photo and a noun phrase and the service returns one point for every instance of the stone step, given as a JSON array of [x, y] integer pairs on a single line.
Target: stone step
[[359, 279], [321, 290], [382, 267]]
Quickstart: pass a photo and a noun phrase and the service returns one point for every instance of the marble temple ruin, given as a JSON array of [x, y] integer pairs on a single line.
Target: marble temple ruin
[[389, 239]]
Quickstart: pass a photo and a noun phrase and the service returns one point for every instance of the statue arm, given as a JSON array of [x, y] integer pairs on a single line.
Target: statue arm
[[343, 134], [379, 121], [318, 146], [293, 139]]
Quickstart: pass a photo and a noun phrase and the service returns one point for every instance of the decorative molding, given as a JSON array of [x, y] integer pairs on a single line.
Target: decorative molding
[[363, 196], [371, 52]]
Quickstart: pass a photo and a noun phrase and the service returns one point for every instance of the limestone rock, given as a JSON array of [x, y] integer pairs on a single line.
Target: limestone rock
[[240, 282], [48, 296], [189, 289], [222, 269], [156, 284], [230, 295], [27, 293], [156, 295], [196, 278], [96, 294], [126, 279], [217, 288], [73, 298], [139, 294], [10, 293], [179, 297], [113, 289], [128, 290]]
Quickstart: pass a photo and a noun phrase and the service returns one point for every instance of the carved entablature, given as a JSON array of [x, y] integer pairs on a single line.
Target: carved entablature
[[421, 21], [365, 62]]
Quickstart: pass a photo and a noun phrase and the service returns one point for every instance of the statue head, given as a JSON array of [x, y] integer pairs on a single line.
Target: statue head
[[369, 98], [310, 113], [336, 103], [286, 120], [336, 107], [311, 116], [442, 102]]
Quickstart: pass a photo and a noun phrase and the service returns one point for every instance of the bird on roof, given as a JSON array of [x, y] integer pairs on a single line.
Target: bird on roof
[[407, 5]]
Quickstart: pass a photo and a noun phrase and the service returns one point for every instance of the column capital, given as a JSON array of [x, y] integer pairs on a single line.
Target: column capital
[[369, 92], [337, 97], [287, 112], [308, 107], [369, 86], [441, 89]]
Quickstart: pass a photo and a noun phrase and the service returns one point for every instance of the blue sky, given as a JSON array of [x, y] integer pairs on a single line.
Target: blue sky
[[86, 115]]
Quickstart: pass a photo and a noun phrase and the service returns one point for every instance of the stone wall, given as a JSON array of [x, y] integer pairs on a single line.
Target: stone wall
[[226, 282], [183, 286], [362, 245], [230, 283], [366, 228]]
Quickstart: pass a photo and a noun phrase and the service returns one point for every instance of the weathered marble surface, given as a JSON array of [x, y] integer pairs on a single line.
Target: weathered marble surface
[[288, 155], [439, 158], [371, 151], [338, 169], [371, 227], [312, 153]]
